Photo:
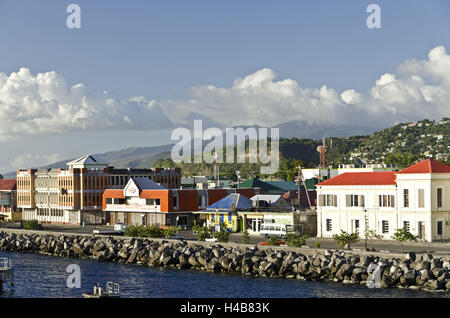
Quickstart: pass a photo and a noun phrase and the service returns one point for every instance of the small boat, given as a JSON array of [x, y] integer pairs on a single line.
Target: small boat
[[112, 291], [6, 271]]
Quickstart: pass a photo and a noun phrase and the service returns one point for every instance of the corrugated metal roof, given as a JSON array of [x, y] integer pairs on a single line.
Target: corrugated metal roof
[[233, 200]]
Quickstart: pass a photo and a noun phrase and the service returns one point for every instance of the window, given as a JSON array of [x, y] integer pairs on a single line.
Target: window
[[330, 200], [329, 225], [406, 225], [386, 201], [439, 228], [354, 200], [439, 197], [421, 200], [385, 227], [405, 198], [108, 201]]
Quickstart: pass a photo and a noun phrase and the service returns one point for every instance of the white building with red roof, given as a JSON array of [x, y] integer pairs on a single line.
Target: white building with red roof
[[417, 198]]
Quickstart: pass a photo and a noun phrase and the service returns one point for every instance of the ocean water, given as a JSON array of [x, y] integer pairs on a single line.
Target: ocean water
[[42, 276]]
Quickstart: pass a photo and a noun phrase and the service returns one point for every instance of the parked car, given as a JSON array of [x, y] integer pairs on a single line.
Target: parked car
[[280, 230], [120, 226]]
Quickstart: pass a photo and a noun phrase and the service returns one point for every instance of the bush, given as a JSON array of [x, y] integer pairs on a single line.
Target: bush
[[295, 240], [196, 227], [204, 233], [171, 230], [317, 244], [143, 231], [154, 231], [345, 239], [273, 240], [222, 236], [31, 225], [245, 237]]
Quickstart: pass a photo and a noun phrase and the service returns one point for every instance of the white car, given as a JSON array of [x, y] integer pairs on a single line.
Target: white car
[[120, 227]]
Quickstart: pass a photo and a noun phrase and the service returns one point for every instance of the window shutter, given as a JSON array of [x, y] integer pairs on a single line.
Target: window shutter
[[347, 200], [361, 201]]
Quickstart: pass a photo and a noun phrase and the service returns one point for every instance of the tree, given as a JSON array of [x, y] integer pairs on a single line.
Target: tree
[[295, 240], [1, 177], [403, 235], [345, 239], [371, 234]]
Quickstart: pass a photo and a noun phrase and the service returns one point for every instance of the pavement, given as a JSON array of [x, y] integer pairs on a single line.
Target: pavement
[[325, 243]]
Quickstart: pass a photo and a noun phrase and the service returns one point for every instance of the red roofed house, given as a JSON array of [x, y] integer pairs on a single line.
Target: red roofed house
[[8, 202], [417, 198]]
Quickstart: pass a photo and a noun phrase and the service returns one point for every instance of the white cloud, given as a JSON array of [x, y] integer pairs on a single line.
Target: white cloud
[[29, 160], [418, 90], [43, 103]]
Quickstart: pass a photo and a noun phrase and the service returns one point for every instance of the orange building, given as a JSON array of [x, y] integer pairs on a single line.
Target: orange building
[[144, 202], [74, 195]]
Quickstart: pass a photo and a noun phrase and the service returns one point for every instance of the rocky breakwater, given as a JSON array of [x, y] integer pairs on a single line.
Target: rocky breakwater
[[423, 272]]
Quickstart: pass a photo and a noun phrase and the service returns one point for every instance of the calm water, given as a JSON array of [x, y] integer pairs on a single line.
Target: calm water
[[38, 275]]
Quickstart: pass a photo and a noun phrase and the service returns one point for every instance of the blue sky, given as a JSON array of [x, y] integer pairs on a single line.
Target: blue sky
[[162, 49]]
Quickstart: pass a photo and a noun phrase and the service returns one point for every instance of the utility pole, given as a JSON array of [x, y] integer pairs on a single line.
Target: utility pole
[[300, 180]]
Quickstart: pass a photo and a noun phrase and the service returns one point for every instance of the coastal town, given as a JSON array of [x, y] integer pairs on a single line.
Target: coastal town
[[321, 202]]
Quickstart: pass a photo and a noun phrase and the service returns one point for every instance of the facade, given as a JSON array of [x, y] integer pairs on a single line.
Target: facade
[[143, 202], [224, 212], [417, 198], [74, 195], [8, 204]]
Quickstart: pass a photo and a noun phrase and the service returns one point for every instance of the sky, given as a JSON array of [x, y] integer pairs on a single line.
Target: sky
[[136, 70]]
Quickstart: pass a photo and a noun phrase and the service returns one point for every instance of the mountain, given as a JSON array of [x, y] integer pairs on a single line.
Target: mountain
[[402, 144]]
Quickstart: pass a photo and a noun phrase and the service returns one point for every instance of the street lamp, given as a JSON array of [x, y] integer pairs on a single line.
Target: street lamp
[[366, 226]]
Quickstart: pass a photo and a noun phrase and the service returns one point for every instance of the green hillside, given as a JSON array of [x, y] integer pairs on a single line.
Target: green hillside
[[402, 144]]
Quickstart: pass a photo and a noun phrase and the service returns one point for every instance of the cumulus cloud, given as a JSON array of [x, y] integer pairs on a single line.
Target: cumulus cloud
[[418, 90], [31, 160], [43, 103]]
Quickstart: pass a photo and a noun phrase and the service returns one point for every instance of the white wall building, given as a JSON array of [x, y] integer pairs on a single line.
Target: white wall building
[[417, 198], [323, 173]]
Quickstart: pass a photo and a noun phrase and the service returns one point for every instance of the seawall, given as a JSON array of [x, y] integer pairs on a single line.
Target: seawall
[[374, 269]]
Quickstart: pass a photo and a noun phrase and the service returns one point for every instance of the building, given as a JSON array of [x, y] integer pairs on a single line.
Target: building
[[224, 212], [328, 173], [8, 204], [196, 182], [143, 202], [74, 195], [417, 198]]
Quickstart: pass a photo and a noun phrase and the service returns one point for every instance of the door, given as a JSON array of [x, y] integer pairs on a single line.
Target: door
[[256, 225], [421, 227]]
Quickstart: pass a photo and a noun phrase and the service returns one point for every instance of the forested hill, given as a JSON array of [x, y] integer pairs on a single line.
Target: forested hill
[[402, 144]]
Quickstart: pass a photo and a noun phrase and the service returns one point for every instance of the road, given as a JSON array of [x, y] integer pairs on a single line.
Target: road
[[379, 245]]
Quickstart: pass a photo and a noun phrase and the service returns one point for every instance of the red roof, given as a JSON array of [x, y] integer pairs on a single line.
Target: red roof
[[361, 178], [7, 184], [427, 166]]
